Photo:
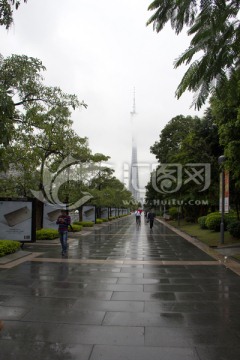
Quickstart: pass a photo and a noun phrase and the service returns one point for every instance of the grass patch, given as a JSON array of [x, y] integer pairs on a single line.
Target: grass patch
[[236, 256], [208, 237], [84, 223]]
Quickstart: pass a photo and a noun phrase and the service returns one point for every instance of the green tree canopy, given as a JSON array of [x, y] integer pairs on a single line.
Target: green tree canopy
[[170, 138], [215, 39], [187, 145], [24, 98], [6, 11], [226, 109]]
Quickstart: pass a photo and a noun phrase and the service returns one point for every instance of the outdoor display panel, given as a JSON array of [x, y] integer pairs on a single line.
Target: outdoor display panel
[[50, 215], [17, 220], [89, 213], [113, 212], [104, 213]]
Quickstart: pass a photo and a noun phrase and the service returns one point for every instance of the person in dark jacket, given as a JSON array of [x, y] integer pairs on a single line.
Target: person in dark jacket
[[63, 222], [151, 216]]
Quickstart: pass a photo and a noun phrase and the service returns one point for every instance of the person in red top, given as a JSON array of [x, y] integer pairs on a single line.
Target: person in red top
[[63, 222]]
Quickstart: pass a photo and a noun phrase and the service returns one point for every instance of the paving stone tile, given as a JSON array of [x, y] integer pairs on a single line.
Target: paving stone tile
[[132, 306], [144, 319], [186, 336], [143, 296], [65, 316], [12, 312], [12, 350], [101, 352], [72, 333], [218, 353]]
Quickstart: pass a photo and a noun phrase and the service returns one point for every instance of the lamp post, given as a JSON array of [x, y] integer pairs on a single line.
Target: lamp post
[[221, 160]]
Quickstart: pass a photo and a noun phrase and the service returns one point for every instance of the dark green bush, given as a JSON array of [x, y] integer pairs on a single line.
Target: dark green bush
[[202, 222], [9, 247], [47, 234], [99, 221], [84, 223], [104, 219], [173, 212], [234, 228], [230, 217], [75, 228], [213, 221]]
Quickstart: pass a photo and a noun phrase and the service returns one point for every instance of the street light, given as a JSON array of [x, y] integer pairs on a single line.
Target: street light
[[221, 160]]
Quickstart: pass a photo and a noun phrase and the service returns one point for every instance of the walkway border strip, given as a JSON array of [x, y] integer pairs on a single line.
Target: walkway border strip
[[126, 262], [230, 263]]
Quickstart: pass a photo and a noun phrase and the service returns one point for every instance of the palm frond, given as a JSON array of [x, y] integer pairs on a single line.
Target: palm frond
[[186, 57]]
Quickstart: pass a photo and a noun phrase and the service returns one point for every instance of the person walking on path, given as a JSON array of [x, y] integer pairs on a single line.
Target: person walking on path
[[151, 216], [138, 217], [63, 222]]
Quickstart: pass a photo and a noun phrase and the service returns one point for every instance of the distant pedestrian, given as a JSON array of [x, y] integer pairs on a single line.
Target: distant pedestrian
[[151, 216], [63, 222], [138, 217]]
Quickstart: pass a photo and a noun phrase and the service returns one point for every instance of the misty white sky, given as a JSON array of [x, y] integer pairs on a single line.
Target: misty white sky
[[101, 51]]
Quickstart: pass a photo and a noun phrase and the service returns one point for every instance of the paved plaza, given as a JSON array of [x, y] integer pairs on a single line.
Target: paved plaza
[[123, 293]]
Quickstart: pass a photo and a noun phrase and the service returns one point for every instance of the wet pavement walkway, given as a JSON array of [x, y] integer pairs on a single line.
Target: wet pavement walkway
[[123, 293]]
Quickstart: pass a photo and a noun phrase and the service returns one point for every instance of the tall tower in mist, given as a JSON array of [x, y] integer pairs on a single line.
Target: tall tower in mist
[[134, 177]]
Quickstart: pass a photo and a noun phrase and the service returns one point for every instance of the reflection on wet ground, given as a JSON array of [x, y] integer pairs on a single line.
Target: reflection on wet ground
[[123, 292]]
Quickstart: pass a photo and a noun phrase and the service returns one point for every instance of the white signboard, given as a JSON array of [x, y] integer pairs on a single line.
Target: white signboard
[[113, 212], [104, 213], [50, 215], [16, 221], [89, 213]]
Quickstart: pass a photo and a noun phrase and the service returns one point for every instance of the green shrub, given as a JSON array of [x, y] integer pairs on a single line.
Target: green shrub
[[230, 217], [99, 221], [84, 223], [173, 212], [104, 219], [75, 228], [202, 222], [87, 223], [47, 234], [234, 228], [9, 247], [112, 218], [213, 221]]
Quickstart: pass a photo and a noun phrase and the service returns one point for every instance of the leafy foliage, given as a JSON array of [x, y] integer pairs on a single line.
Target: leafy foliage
[[234, 229], [6, 11], [75, 228], [37, 135], [213, 221], [46, 234], [202, 222], [173, 212], [9, 247], [215, 38], [84, 223], [171, 137]]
